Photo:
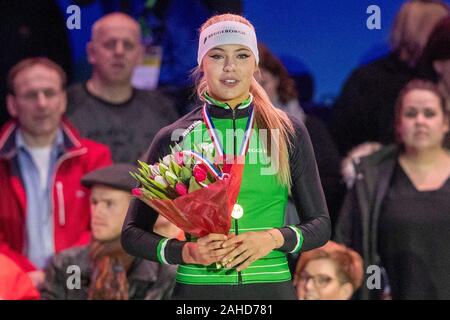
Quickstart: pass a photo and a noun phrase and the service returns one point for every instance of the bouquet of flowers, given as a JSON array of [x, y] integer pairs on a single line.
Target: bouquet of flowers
[[191, 190]]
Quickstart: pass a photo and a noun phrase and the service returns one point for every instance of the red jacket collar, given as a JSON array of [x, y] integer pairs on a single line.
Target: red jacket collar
[[72, 139]]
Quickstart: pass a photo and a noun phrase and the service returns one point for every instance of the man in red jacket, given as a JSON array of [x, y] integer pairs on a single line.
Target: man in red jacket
[[43, 206]]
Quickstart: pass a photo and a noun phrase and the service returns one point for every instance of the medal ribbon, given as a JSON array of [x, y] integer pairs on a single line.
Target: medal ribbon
[[215, 139], [219, 148]]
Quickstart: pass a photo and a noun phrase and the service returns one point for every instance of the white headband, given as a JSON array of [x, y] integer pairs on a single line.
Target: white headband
[[227, 32]]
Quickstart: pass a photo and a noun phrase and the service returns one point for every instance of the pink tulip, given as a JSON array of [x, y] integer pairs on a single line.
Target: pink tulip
[[137, 192], [203, 167], [181, 189], [200, 174], [179, 158]]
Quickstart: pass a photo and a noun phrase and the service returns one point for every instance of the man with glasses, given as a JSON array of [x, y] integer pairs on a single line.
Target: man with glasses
[[43, 206], [107, 108]]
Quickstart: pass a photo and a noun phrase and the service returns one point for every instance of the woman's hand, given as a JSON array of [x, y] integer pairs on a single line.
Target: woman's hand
[[250, 246], [206, 250]]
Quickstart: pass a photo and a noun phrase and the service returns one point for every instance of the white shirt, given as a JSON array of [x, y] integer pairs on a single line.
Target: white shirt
[[41, 158]]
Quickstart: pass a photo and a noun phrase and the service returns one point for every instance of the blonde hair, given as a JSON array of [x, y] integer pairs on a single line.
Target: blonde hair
[[413, 25], [266, 115]]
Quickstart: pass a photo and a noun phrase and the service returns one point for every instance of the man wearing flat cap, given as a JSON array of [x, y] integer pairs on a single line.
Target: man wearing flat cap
[[106, 271]]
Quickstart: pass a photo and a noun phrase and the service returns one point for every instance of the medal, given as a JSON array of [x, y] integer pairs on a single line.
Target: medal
[[237, 212]]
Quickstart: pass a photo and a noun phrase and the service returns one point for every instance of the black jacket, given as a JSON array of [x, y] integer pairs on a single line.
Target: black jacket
[[358, 220], [147, 280], [306, 192], [364, 111]]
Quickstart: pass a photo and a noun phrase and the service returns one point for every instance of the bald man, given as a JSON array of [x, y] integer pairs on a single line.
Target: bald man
[[113, 52], [104, 107]]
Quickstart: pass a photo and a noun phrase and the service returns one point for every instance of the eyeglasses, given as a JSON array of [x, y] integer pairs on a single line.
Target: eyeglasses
[[319, 280], [33, 95]]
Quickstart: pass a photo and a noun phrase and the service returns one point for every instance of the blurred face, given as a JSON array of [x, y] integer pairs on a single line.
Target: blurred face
[[229, 72], [108, 209], [319, 282], [115, 50], [39, 100], [270, 84], [422, 123], [418, 21]]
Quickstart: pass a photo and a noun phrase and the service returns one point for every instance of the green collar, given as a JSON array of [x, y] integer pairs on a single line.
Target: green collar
[[242, 105]]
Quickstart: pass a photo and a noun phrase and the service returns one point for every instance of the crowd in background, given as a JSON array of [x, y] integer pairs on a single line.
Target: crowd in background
[[66, 150]]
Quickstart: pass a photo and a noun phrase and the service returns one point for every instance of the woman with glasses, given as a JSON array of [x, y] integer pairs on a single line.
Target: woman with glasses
[[332, 272]]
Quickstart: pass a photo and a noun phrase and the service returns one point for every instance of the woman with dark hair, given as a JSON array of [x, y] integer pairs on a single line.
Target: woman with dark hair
[[254, 257], [282, 91], [280, 87], [397, 214]]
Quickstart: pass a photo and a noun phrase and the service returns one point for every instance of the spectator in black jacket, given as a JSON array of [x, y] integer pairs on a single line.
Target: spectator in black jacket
[[107, 108], [397, 213], [364, 111], [435, 62]]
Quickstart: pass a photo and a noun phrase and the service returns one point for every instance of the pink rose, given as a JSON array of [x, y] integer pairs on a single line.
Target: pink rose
[[200, 174], [181, 189]]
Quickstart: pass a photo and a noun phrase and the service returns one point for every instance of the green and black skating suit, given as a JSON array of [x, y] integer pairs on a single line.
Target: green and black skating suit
[[262, 197]]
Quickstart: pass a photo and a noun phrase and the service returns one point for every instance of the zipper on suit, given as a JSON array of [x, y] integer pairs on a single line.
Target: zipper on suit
[[236, 227]]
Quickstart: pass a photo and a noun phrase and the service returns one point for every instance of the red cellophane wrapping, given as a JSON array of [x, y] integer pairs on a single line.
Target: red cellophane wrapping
[[204, 211]]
